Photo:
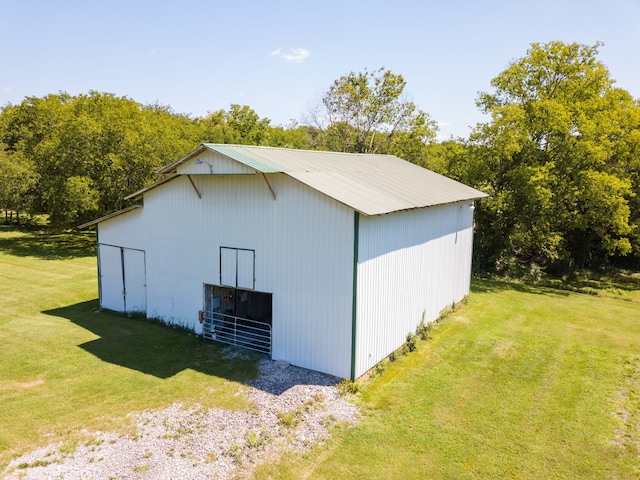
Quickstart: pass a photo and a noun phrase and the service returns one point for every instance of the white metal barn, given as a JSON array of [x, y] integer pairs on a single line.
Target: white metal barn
[[325, 260]]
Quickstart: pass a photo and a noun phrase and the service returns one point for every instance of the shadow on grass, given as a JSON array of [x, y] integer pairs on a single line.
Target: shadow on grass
[[48, 245], [484, 285], [154, 348], [620, 279], [617, 285], [157, 349]]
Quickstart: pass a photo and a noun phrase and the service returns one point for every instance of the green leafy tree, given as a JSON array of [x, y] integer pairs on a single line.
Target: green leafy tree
[[417, 142], [214, 129], [75, 200], [557, 159], [365, 112], [239, 125], [88, 151], [17, 182], [252, 129], [291, 136]]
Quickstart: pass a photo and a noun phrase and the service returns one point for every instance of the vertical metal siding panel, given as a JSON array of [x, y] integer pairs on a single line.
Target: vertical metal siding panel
[[228, 266], [135, 280], [303, 242], [410, 263], [174, 253], [244, 269], [111, 281], [313, 254], [125, 230]]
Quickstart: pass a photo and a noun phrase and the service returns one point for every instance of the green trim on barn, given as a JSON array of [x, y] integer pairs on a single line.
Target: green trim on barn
[[354, 308]]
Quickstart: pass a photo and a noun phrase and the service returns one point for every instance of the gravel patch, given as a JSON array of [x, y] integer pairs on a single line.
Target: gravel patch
[[294, 410]]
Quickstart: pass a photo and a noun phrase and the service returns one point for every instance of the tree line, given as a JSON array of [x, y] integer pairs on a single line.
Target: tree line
[[559, 153]]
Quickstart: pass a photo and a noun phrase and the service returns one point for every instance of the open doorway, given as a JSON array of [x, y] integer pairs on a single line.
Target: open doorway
[[238, 317]]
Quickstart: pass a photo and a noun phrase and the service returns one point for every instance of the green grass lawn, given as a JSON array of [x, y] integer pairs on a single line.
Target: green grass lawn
[[525, 383], [521, 382], [65, 366]]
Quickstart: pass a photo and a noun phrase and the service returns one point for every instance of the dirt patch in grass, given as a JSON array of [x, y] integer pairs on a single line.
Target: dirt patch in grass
[[30, 384], [627, 410]]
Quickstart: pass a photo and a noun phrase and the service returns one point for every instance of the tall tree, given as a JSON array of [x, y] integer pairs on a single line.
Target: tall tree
[[366, 112], [17, 181], [89, 150], [239, 125], [252, 129], [555, 157]]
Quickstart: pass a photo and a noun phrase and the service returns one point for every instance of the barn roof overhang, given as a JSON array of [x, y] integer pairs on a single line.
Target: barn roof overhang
[[140, 193], [93, 223], [371, 184]]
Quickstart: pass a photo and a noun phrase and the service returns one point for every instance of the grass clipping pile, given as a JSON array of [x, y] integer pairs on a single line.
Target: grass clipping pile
[[295, 409]]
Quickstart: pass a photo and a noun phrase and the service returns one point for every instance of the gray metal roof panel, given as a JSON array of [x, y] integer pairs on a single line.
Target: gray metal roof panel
[[369, 183], [350, 191], [246, 156], [285, 160]]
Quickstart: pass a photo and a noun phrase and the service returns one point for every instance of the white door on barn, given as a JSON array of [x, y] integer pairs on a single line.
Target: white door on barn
[[135, 281], [111, 282], [122, 279]]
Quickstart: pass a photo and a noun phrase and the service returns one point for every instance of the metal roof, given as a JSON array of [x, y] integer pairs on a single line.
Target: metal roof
[[140, 193], [372, 184], [93, 223]]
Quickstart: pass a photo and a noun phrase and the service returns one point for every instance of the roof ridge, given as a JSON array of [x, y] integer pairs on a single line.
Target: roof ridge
[[306, 150]]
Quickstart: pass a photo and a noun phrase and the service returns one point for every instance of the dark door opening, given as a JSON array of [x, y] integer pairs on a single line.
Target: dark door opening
[[238, 317]]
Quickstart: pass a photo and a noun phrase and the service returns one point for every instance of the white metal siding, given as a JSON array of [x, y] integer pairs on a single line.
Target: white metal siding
[[228, 267], [312, 275], [215, 163], [244, 269], [303, 243], [122, 278], [126, 230], [111, 287], [135, 280], [410, 263]]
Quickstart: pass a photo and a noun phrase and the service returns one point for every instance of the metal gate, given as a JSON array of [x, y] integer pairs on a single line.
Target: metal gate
[[238, 331]]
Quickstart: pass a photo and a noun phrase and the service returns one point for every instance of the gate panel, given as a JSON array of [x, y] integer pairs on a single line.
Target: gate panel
[[241, 332]]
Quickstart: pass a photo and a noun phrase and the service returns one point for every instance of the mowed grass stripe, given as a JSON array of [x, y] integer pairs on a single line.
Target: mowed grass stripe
[[520, 383], [66, 367]]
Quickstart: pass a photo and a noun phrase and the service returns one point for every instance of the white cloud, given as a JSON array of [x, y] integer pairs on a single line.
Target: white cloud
[[7, 90], [297, 55]]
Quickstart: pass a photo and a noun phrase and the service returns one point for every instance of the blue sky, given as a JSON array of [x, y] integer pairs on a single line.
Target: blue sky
[[279, 56]]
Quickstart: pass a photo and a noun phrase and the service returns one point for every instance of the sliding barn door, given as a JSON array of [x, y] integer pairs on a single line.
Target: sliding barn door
[[122, 279]]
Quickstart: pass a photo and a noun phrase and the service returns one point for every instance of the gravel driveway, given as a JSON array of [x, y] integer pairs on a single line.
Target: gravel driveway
[[294, 410]]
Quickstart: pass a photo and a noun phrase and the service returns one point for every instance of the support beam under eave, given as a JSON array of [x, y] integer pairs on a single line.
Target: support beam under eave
[[194, 187], [273, 194]]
